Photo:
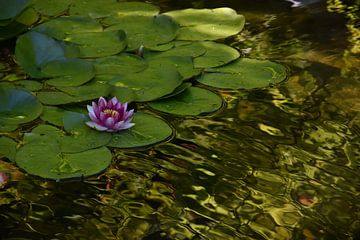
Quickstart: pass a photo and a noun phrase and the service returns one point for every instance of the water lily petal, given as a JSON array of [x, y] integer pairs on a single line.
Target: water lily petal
[[129, 114], [114, 101], [102, 103], [110, 122], [96, 126], [102, 117], [96, 109]]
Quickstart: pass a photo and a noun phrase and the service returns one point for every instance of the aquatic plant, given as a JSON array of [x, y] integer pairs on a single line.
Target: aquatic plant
[[110, 116]]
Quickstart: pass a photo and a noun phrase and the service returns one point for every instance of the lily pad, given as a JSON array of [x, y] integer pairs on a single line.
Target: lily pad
[[53, 115], [45, 159], [68, 72], [95, 8], [7, 148], [98, 44], [132, 8], [184, 65], [193, 101], [88, 91], [35, 49], [180, 48], [119, 64], [11, 9], [217, 54], [59, 28], [148, 130], [154, 82], [207, 24], [17, 107], [244, 73], [51, 7], [145, 31]]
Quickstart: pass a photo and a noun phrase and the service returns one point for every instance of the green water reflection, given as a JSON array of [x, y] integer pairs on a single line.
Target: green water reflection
[[280, 163]]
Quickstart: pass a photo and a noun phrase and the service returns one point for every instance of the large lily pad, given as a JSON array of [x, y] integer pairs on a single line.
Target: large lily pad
[[51, 7], [193, 101], [145, 30], [244, 73], [45, 159], [11, 9], [180, 49], [17, 107], [7, 148], [68, 72], [53, 115], [34, 49], [132, 8], [154, 82], [207, 24], [88, 91], [217, 54], [119, 64], [148, 130], [59, 28], [98, 44]]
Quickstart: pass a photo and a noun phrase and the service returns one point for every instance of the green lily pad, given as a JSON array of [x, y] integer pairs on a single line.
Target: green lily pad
[[98, 44], [193, 101], [7, 148], [51, 7], [154, 82], [148, 130], [81, 137], [123, 94], [94, 8], [119, 64], [207, 24], [53, 115], [27, 85], [180, 48], [59, 28], [34, 50], [11, 9], [88, 91], [216, 54], [145, 31], [132, 8], [45, 159], [184, 65], [17, 107], [68, 72], [244, 73], [178, 90]]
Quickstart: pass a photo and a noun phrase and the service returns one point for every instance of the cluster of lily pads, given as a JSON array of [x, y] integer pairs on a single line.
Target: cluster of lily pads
[[90, 49]]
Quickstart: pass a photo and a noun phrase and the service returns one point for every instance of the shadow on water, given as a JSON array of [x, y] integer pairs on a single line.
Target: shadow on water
[[278, 163]]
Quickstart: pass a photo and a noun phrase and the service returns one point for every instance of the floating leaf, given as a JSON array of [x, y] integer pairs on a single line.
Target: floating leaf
[[34, 50], [217, 54], [45, 159], [98, 44], [88, 91], [146, 31], [154, 82], [244, 73], [178, 90], [59, 28], [184, 65], [11, 9], [180, 48], [7, 148], [53, 115], [17, 107], [207, 24], [193, 101], [132, 8], [119, 64], [68, 72], [51, 7], [148, 130], [81, 136]]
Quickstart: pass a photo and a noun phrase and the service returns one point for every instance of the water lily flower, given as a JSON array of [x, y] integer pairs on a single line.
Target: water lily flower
[[109, 116]]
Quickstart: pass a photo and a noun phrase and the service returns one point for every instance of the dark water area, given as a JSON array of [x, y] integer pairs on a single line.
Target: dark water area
[[276, 163]]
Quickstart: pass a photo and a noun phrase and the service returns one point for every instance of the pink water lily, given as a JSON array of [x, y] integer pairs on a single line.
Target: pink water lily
[[111, 116]]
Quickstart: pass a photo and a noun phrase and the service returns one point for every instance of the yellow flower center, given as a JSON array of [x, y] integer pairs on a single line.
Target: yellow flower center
[[110, 112]]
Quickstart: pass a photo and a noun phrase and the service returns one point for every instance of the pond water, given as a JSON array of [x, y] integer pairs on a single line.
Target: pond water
[[275, 163]]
